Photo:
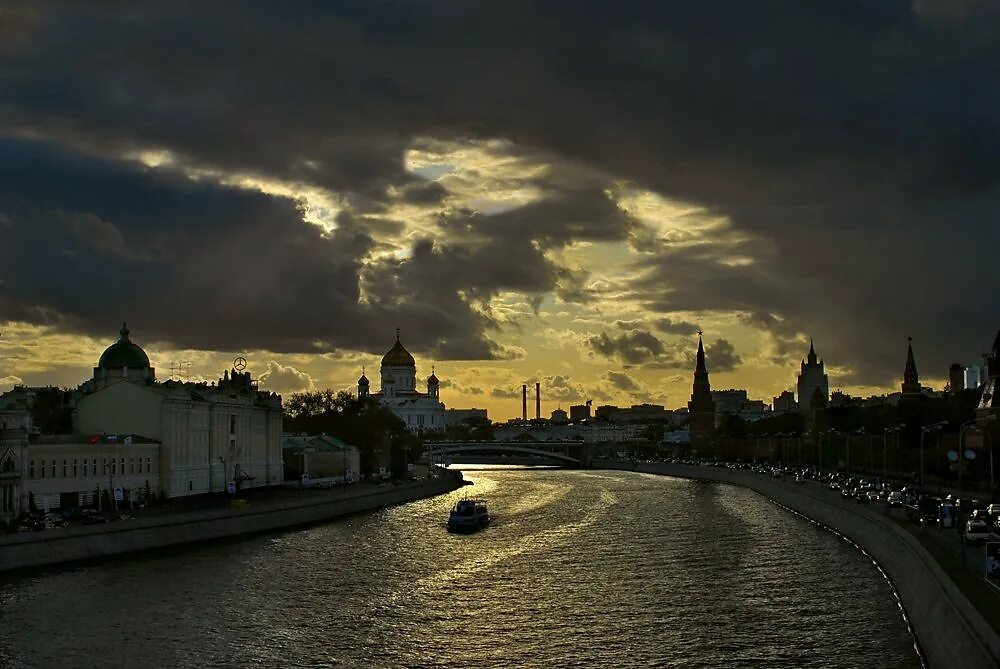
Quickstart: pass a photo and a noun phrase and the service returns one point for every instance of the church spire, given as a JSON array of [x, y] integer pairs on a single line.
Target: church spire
[[911, 380], [811, 359]]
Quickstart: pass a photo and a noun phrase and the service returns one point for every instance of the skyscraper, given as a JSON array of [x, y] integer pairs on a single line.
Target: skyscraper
[[812, 376], [701, 408]]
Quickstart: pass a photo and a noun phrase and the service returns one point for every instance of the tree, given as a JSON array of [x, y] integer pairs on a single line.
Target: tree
[[363, 422], [51, 412]]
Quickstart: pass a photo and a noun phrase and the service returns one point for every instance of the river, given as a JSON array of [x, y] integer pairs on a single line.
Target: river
[[579, 569]]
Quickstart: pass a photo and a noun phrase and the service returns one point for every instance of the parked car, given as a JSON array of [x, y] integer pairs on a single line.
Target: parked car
[[895, 499], [873, 496], [54, 520], [976, 531], [993, 509]]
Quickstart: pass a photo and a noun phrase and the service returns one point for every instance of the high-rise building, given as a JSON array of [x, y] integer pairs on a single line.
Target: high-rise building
[[974, 377], [956, 377], [701, 407], [812, 376]]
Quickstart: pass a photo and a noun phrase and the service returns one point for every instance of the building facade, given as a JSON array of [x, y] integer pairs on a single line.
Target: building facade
[[13, 443], [210, 435], [398, 374]]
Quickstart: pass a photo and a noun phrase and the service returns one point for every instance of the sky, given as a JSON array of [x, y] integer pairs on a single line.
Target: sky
[[562, 192]]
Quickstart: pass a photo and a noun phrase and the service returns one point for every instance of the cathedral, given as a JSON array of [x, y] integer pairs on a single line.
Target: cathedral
[[420, 411]]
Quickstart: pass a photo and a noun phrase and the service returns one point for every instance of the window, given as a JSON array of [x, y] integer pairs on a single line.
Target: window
[[94, 472], [85, 468], [147, 465], [232, 425], [31, 469], [75, 468], [65, 468], [43, 468], [104, 465], [53, 469], [121, 466], [114, 467], [131, 465]]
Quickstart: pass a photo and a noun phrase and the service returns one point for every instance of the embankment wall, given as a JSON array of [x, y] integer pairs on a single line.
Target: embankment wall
[[38, 549]]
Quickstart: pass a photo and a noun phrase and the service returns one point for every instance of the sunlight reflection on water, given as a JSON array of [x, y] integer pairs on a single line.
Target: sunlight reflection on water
[[581, 569]]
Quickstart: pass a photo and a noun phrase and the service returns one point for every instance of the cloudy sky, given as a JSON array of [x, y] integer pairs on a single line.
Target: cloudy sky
[[553, 191]]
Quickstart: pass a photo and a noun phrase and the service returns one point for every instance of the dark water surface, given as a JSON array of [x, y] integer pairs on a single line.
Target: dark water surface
[[580, 569]]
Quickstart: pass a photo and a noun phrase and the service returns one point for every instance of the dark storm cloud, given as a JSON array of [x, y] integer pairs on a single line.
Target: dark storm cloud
[[857, 139], [89, 242], [632, 347], [671, 326], [622, 381], [722, 356]]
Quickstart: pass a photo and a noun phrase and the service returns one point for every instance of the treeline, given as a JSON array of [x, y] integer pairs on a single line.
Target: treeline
[[362, 422]]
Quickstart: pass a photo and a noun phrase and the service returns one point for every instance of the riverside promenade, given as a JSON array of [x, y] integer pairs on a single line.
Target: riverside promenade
[[949, 630], [157, 530]]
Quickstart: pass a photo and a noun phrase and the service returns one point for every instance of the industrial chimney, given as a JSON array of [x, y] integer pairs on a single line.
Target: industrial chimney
[[538, 400], [524, 401]]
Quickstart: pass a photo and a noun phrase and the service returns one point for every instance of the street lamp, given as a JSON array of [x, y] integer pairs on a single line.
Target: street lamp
[[924, 429], [885, 449], [961, 447]]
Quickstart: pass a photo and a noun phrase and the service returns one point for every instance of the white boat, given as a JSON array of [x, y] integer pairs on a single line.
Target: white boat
[[468, 515]]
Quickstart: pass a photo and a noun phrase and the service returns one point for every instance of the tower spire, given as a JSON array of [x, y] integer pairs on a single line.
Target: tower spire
[[701, 407], [911, 379]]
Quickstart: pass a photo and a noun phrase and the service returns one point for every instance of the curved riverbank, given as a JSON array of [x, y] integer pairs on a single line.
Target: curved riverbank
[[948, 628], [37, 549]]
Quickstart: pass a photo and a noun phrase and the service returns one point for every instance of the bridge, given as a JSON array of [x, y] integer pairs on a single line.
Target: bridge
[[566, 453]]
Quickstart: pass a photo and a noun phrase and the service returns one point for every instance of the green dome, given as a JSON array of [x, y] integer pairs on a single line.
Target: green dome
[[123, 353], [398, 356]]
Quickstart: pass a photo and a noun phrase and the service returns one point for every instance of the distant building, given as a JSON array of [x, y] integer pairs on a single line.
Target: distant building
[[637, 413], [956, 377], [460, 416], [419, 411], [734, 402], [579, 412], [785, 403], [812, 376], [842, 399], [559, 417], [974, 377], [701, 407], [320, 457]]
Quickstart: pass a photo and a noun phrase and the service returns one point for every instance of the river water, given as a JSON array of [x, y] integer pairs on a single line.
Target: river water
[[580, 569]]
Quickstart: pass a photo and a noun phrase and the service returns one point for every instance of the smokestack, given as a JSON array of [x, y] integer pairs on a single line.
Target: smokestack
[[538, 400], [524, 401]]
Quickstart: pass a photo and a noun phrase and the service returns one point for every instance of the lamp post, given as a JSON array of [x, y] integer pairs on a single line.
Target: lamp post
[[924, 429]]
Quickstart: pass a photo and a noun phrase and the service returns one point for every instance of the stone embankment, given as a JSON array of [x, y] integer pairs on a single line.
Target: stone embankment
[[950, 632], [36, 549]]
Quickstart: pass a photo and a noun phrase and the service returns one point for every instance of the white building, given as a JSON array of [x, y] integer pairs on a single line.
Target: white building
[[209, 435], [70, 470], [419, 411]]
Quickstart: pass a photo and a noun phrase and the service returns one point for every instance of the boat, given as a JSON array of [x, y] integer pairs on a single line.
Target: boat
[[468, 515]]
